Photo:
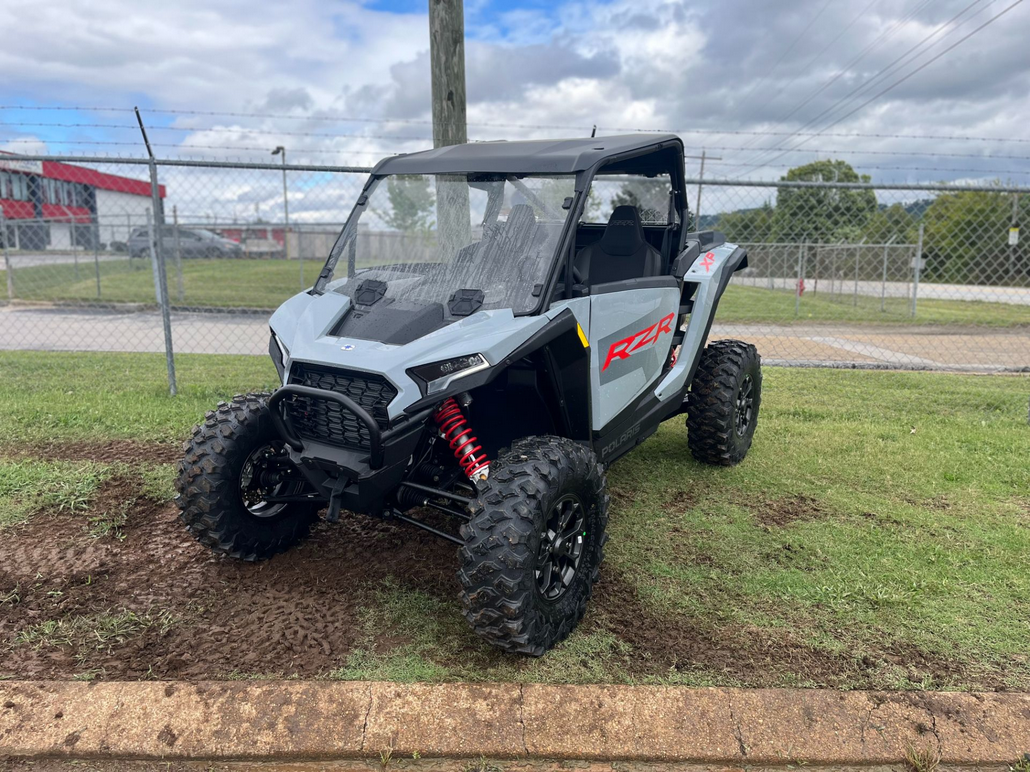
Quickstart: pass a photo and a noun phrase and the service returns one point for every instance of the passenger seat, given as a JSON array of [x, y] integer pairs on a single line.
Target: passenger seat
[[622, 253]]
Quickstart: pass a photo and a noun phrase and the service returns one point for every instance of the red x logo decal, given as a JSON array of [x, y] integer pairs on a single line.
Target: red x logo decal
[[708, 260]]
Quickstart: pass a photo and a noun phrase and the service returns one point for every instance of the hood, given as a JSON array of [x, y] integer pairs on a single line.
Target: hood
[[308, 326]]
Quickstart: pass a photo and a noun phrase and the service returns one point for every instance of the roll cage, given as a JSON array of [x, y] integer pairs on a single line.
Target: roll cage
[[629, 155]]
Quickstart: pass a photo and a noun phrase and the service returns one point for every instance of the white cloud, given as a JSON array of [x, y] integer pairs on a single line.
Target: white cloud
[[622, 63]]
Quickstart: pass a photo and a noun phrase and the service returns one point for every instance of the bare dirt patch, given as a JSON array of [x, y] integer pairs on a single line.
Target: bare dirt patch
[[203, 616], [782, 512], [108, 451], [749, 655], [144, 600]]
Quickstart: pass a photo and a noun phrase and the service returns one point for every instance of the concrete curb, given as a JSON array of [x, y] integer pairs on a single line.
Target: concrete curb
[[296, 720]]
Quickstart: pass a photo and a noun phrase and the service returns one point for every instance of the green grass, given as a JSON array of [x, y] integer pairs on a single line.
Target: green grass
[[267, 283], [74, 396], [97, 632], [206, 282], [29, 486], [881, 517], [916, 539]]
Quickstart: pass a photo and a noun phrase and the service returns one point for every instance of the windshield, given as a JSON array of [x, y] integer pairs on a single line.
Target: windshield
[[434, 237]]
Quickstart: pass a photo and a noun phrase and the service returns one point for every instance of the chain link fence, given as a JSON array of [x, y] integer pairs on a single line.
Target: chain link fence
[[847, 275]]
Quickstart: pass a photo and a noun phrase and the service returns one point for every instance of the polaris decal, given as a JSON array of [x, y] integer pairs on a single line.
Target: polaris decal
[[625, 348]]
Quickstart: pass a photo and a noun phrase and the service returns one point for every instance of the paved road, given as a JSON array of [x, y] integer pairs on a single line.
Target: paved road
[[896, 289], [973, 349]]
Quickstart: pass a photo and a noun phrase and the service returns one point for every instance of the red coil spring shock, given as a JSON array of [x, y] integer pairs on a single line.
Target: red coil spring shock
[[458, 433]]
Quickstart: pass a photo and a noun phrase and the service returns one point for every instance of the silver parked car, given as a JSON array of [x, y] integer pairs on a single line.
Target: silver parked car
[[192, 242]]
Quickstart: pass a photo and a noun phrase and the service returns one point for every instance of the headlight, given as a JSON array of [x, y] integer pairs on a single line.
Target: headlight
[[279, 353], [438, 375]]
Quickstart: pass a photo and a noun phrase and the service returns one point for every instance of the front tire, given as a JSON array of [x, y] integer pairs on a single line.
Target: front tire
[[534, 544], [234, 461], [722, 411]]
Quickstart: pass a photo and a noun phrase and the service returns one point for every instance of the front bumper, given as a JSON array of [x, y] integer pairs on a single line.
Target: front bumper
[[363, 479]]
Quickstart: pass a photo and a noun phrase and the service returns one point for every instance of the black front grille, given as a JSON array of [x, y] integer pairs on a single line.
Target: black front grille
[[323, 420]]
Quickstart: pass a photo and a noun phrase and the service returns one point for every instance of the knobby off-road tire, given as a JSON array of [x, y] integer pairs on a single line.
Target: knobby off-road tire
[[209, 497], [510, 540], [722, 409]]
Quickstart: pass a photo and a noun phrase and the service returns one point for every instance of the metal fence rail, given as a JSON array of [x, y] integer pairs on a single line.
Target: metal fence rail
[[848, 274]]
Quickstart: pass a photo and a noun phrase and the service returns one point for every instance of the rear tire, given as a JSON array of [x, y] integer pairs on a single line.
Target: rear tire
[[220, 483], [722, 409], [534, 545]]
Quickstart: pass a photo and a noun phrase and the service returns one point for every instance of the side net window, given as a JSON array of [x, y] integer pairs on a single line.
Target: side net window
[[649, 194]]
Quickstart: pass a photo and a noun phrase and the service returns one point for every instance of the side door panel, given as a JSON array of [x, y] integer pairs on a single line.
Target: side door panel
[[630, 337]]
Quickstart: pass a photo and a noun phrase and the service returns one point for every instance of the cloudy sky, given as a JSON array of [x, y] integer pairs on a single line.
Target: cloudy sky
[[348, 82]]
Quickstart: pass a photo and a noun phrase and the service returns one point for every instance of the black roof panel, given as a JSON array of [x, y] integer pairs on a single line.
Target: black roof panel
[[541, 156]]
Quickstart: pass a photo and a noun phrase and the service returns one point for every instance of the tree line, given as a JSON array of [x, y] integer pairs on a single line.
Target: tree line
[[965, 233]]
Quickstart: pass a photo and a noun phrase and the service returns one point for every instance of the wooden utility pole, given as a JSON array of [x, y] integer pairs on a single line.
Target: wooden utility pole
[[447, 58], [700, 181]]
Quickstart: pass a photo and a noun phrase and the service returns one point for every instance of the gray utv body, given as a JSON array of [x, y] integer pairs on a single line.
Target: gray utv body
[[588, 360]]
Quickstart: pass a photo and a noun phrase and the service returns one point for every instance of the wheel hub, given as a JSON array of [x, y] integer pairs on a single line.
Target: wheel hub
[[745, 405], [267, 473], [561, 547]]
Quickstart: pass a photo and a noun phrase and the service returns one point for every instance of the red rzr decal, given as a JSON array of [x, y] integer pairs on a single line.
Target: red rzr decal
[[623, 349]]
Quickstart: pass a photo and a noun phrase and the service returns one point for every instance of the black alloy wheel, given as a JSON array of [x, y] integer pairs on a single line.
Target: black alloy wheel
[[561, 547]]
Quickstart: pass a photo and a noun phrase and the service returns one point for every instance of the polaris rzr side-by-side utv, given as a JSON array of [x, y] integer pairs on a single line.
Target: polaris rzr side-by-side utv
[[495, 325]]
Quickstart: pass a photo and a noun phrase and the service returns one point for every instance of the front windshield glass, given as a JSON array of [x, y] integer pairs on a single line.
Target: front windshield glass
[[430, 237]]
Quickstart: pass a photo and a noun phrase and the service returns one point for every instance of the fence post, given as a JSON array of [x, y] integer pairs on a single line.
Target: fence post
[[883, 286], [797, 287], [96, 257], [178, 255], [917, 266], [854, 295], [160, 277], [8, 268], [1013, 248]]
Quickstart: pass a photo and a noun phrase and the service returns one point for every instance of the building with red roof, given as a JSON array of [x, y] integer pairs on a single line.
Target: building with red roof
[[56, 205]]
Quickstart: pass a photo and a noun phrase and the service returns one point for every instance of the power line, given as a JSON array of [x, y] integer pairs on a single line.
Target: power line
[[901, 80], [805, 67], [886, 34], [880, 73], [786, 51]]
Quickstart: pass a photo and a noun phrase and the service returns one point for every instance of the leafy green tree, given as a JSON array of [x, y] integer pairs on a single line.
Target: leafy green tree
[[748, 225], [966, 239], [822, 215], [412, 203], [892, 222]]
